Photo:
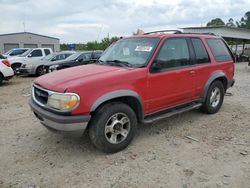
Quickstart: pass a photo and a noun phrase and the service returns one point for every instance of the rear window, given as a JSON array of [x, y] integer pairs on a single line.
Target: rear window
[[219, 50]]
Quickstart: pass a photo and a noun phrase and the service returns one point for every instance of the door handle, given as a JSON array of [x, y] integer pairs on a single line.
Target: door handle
[[192, 72]]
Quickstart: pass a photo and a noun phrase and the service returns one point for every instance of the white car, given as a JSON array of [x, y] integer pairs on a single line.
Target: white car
[[6, 71], [34, 54]]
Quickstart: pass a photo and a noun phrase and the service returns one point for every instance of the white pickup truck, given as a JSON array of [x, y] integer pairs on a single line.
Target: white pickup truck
[[35, 53]]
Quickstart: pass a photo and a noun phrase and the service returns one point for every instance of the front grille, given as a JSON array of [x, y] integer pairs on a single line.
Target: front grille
[[41, 95]]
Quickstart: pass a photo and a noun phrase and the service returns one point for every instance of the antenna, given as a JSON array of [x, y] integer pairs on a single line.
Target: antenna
[[23, 26], [99, 33]]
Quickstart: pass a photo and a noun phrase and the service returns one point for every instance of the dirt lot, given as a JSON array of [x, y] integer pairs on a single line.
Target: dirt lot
[[160, 155]]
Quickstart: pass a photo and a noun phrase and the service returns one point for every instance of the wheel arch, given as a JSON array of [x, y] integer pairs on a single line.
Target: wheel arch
[[16, 63], [221, 76], [128, 97]]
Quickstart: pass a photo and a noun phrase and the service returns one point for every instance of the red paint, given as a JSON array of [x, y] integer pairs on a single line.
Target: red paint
[[157, 91]]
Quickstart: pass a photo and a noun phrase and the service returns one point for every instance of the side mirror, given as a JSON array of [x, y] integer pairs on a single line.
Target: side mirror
[[156, 66], [29, 55]]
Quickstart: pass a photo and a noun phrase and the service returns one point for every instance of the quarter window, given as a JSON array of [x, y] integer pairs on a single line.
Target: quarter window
[[174, 53], [219, 50], [200, 51]]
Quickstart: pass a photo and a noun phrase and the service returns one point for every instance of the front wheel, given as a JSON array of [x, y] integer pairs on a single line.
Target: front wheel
[[1, 78], [40, 71], [113, 127], [16, 68], [214, 98]]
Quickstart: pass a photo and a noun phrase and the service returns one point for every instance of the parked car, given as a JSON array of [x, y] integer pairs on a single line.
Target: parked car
[[15, 52], [34, 54], [36, 66], [6, 71], [141, 79], [79, 58]]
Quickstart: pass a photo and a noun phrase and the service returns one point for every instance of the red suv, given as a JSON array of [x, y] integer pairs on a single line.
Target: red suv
[[139, 79]]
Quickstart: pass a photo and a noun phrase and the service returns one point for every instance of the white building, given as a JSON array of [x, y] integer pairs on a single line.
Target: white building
[[27, 40]]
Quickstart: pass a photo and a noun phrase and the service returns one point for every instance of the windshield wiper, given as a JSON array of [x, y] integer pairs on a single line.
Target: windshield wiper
[[119, 63]]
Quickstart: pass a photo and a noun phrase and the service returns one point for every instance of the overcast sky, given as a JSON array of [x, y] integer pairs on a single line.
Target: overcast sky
[[80, 21]]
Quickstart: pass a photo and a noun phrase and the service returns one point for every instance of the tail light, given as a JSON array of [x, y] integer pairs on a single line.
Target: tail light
[[6, 62]]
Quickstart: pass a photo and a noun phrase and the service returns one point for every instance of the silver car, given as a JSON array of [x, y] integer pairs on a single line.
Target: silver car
[[35, 67]]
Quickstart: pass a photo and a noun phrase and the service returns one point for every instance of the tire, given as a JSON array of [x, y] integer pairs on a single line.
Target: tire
[[1, 79], [39, 71], [109, 136], [15, 67], [214, 98]]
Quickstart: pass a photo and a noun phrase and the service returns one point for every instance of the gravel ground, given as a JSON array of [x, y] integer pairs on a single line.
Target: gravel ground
[[160, 156]]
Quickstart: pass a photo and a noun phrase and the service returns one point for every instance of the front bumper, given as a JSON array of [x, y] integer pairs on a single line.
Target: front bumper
[[60, 122]]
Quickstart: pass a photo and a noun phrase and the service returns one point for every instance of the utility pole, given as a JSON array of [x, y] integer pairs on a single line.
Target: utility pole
[[24, 27]]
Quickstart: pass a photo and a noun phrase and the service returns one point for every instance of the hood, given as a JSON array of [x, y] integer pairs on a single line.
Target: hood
[[62, 80]]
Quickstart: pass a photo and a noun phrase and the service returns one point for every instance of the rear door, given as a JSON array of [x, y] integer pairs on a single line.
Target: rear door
[[173, 82]]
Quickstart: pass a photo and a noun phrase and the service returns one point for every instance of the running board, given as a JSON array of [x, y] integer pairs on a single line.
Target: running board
[[174, 111]]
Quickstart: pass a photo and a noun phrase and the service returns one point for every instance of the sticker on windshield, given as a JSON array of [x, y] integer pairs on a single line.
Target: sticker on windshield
[[143, 48], [126, 51]]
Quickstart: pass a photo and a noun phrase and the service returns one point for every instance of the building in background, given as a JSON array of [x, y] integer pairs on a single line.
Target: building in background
[[237, 38], [27, 40]]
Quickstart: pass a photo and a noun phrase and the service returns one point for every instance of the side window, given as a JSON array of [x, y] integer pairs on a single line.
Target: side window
[[36, 53], [46, 51], [219, 50], [85, 57], [97, 55], [174, 53], [200, 51]]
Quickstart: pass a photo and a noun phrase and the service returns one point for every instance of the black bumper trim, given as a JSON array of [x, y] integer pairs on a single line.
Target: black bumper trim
[[57, 118]]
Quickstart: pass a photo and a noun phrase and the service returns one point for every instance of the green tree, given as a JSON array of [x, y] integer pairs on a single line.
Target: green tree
[[245, 21], [216, 22], [231, 23]]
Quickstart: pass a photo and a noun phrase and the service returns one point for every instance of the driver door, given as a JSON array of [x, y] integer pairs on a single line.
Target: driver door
[[171, 80]]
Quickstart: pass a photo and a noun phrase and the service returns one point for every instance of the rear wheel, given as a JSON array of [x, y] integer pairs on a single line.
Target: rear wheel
[[214, 98], [113, 127]]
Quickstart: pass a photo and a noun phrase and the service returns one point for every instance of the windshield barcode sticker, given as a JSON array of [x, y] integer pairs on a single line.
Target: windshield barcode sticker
[[143, 48]]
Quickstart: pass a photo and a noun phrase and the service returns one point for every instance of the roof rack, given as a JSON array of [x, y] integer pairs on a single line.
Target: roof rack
[[164, 31], [209, 33]]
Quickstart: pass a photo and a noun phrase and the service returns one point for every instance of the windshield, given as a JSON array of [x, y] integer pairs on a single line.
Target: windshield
[[25, 53], [73, 56], [49, 57], [134, 52]]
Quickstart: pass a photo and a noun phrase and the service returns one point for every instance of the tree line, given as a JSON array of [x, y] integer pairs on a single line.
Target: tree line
[[105, 42], [243, 22]]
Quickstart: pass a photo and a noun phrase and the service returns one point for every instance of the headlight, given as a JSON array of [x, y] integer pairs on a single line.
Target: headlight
[[63, 102], [53, 67]]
